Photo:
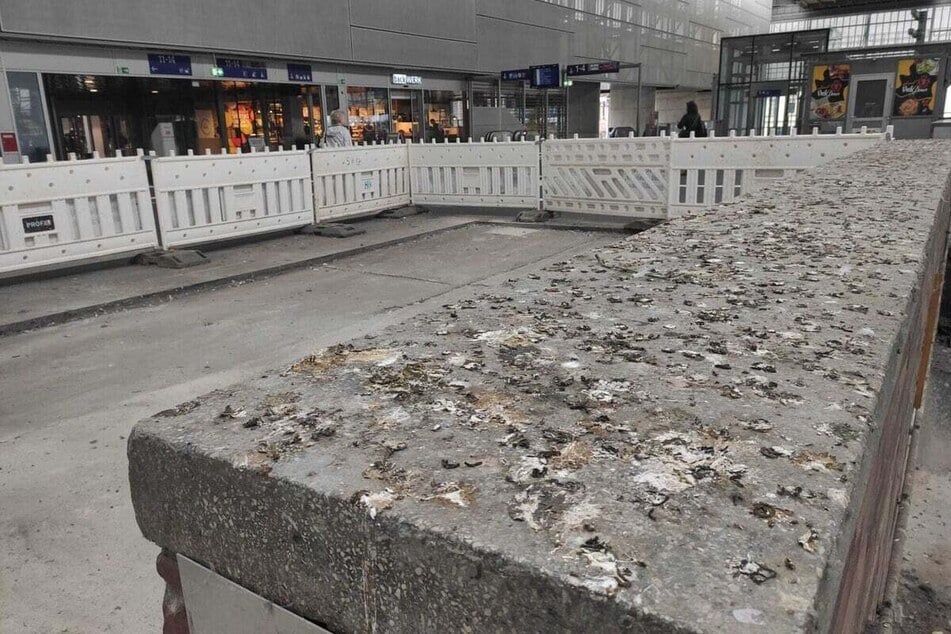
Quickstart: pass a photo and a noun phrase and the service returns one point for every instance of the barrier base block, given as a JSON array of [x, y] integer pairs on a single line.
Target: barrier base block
[[171, 259], [533, 215], [332, 230], [403, 212]]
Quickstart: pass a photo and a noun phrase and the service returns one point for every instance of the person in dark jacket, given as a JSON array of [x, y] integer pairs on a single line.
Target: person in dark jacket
[[692, 122]]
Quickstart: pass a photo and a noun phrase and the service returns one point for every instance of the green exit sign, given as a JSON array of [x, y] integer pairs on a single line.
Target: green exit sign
[[122, 70], [217, 71]]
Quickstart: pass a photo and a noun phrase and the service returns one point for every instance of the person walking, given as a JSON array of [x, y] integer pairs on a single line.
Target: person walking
[[692, 122], [338, 134]]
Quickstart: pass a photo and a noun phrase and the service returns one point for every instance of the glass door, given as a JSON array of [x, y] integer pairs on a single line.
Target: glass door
[[244, 120], [768, 112], [870, 101], [407, 109]]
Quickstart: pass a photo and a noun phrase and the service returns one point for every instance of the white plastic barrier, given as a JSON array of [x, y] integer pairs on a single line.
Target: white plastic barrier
[[213, 197], [714, 170], [360, 180], [62, 212], [620, 177], [498, 174]]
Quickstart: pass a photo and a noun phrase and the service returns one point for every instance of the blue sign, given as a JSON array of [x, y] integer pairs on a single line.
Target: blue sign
[[241, 68], [769, 92], [170, 64], [516, 75], [547, 76], [300, 72]]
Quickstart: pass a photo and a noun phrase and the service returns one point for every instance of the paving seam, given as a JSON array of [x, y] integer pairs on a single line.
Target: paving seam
[[482, 282], [343, 269], [156, 297]]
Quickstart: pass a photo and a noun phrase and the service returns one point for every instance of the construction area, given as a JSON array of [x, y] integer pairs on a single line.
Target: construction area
[[456, 422]]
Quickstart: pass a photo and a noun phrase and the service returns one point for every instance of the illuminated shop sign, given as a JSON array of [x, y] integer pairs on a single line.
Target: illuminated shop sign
[[400, 79]]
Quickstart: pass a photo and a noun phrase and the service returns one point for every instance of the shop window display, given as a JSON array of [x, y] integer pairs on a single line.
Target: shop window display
[[444, 115], [109, 114], [369, 112]]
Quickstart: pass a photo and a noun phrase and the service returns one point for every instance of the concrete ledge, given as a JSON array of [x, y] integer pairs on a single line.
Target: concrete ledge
[[702, 428]]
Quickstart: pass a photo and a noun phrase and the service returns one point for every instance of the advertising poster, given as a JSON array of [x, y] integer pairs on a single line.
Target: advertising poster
[[830, 91], [915, 87]]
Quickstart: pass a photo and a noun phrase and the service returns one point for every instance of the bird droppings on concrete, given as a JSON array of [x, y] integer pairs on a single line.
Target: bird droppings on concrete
[[673, 424]]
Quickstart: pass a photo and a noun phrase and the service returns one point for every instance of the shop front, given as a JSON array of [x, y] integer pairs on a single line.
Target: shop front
[[269, 115], [877, 88], [75, 100], [407, 110], [780, 81], [105, 114]]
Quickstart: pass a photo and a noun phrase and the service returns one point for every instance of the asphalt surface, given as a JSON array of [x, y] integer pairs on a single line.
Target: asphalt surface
[[71, 556]]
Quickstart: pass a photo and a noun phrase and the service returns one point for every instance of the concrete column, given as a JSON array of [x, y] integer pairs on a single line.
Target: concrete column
[[624, 106], [583, 109]]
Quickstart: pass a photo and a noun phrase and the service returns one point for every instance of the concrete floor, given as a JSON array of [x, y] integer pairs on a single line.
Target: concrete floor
[[71, 556], [26, 302]]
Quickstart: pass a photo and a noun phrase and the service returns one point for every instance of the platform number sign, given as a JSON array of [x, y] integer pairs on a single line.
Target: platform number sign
[[170, 64], [235, 68], [300, 72]]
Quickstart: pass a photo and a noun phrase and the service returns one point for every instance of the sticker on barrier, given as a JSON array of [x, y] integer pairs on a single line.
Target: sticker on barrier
[[61, 212], [475, 174], [360, 180], [201, 199]]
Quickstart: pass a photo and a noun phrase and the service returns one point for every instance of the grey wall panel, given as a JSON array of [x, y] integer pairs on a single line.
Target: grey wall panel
[[505, 44], [675, 39], [533, 12], [52, 58], [397, 49], [285, 27], [449, 19]]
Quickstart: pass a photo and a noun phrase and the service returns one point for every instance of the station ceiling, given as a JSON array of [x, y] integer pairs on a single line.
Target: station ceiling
[[789, 9]]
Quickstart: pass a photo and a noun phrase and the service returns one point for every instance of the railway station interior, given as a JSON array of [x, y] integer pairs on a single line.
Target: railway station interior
[[745, 71], [435, 316]]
